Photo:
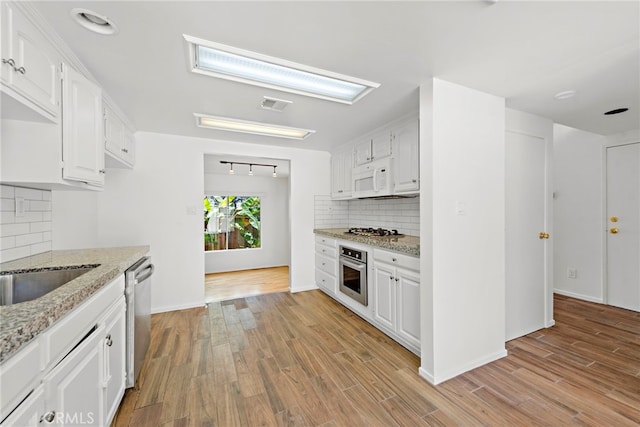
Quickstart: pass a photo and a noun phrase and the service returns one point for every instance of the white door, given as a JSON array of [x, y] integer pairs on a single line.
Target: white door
[[526, 183], [623, 224]]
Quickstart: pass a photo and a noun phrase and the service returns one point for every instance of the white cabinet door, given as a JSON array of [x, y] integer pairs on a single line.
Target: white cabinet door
[[385, 295], [119, 141], [113, 133], [381, 145], [407, 158], [73, 389], [408, 305], [341, 168], [114, 371], [29, 63], [363, 152], [82, 129], [29, 412]]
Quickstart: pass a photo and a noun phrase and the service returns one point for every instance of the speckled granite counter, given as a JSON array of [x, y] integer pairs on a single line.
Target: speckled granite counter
[[409, 245], [20, 323]]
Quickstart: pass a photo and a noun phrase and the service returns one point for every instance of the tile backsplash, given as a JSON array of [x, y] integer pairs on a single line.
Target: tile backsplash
[[26, 233], [400, 214]]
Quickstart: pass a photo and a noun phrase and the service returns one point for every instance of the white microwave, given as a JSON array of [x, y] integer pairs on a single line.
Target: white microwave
[[373, 179]]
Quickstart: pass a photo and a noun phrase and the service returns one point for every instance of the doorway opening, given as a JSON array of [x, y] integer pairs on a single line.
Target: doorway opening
[[246, 226]]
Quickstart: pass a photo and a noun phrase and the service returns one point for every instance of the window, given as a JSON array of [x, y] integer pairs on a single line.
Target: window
[[231, 222]]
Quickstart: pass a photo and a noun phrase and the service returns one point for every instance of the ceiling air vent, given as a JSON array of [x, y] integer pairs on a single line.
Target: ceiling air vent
[[274, 104]]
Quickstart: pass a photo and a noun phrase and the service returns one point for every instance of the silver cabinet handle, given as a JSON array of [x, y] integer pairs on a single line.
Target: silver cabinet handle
[[109, 340], [397, 280], [21, 70], [102, 171], [48, 417], [394, 259], [9, 61], [124, 150]]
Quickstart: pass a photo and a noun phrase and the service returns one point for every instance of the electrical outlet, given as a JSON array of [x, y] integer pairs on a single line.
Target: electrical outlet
[[572, 273]]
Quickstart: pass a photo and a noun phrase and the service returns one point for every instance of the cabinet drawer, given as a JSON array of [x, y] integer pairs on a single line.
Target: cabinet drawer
[[328, 265], [65, 334], [326, 241], [399, 260], [18, 376], [326, 281], [326, 251]]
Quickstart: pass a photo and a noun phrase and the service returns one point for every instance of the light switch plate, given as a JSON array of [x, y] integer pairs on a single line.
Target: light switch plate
[[20, 208]]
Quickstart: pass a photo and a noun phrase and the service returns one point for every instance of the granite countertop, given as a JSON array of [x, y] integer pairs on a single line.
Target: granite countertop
[[408, 245], [22, 322]]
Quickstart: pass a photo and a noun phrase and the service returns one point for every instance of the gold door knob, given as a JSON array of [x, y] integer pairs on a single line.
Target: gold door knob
[[613, 230], [543, 235], [614, 219]]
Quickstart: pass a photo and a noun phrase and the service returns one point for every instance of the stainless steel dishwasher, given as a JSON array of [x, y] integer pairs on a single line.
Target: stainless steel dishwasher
[[138, 295]]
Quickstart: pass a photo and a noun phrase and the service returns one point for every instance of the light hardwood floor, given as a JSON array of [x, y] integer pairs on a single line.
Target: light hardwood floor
[[245, 283], [303, 359]]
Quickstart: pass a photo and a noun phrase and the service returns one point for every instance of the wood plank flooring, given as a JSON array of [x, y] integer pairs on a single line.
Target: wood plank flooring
[[302, 359], [245, 283]]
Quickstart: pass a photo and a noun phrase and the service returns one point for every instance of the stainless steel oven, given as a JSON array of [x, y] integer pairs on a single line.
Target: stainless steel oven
[[353, 274]]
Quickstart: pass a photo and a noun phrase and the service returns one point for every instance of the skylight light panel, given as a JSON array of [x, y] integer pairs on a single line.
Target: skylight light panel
[[230, 63]]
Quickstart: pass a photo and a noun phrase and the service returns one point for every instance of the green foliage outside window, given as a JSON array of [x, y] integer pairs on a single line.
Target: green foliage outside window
[[231, 222]]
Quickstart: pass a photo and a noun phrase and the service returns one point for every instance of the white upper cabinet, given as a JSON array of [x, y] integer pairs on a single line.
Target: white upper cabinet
[[373, 147], [407, 157], [381, 145], [29, 69], [82, 129], [341, 168], [119, 141]]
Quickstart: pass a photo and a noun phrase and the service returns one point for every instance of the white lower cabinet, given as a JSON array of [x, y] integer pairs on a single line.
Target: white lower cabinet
[[396, 287], [85, 383], [114, 369], [73, 393], [326, 265]]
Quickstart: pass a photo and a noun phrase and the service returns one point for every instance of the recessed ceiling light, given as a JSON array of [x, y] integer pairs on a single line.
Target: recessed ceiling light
[[616, 111], [245, 126], [564, 95], [227, 62], [93, 21]]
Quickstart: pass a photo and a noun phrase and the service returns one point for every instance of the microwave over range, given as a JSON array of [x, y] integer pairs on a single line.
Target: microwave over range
[[373, 179]]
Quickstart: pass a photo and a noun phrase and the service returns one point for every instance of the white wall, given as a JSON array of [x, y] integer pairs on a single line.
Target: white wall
[[159, 203], [464, 316], [274, 218], [579, 210]]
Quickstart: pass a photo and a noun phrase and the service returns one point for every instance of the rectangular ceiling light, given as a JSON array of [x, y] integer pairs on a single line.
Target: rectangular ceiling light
[[218, 60], [244, 126]]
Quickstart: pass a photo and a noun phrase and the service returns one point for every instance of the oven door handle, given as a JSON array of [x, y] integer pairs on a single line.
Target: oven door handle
[[360, 266]]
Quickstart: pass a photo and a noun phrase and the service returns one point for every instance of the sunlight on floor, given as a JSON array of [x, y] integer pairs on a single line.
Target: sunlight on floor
[[239, 284]]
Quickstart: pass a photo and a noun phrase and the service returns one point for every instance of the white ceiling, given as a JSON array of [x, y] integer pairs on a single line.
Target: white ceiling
[[523, 51]]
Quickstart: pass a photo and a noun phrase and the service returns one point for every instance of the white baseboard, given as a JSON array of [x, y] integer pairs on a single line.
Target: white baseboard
[[437, 379], [303, 288], [155, 310], [578, 296]]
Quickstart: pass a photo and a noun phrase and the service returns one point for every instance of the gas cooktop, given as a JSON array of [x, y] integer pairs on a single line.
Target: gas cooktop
[[373, 232]]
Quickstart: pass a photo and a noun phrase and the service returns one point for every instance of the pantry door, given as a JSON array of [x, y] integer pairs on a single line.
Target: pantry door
[[623, 226], [526, 233]]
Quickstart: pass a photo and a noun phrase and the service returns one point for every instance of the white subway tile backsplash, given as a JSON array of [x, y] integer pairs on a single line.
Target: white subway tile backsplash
[[7, 242], [400, 214], [13, 229], [28, 234]]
